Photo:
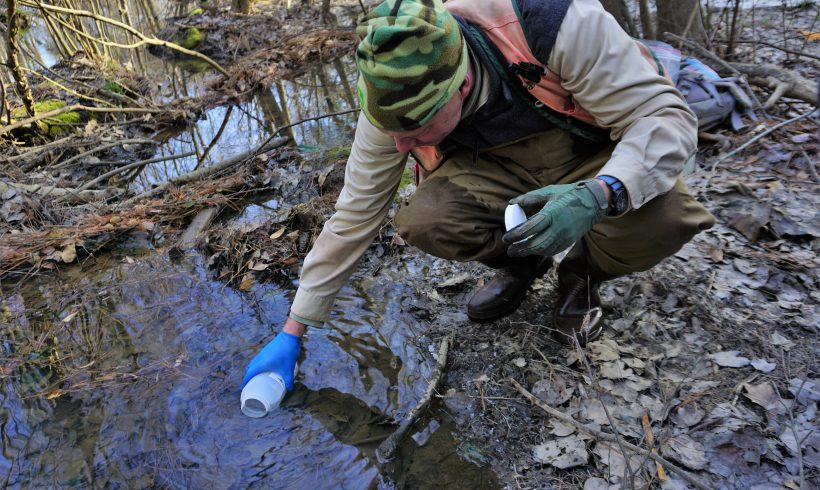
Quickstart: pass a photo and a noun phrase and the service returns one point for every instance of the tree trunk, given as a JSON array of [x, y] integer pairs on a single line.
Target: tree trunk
[[20, 80], [647, 26], [242, 6], [620, 11], [676, 16]]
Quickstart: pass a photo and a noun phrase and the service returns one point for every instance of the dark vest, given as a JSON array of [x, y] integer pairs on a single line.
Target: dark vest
[[507, 115]]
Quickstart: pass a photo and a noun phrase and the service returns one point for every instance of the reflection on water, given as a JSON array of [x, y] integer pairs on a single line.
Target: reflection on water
[[165, 347], [228, 131]]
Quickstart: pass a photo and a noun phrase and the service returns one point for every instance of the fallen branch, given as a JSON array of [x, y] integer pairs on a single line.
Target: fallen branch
[[784, 82], [385, 451], [207, 171], [118, 170], [78, 197], [75, 107], [608, 437], [107, 146]]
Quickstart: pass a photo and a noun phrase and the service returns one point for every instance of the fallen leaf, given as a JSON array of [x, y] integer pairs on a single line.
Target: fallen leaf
[[259, 266], [596, 483], [686, 451], [763, 394], [69, 253], [810, 36], [745, 266], [781, 341], [729, 359], [70, 316], [520, 362], [617, 370], [560, 429], [687, 415], [604, 350], [55, 394], [247, 282], [566, 452], [716, 254], [763, 365], [276, 234], [128, 259], [553, 391]]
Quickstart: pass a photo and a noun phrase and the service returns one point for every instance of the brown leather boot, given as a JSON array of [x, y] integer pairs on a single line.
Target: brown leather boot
[[578, 310], [504, 292]]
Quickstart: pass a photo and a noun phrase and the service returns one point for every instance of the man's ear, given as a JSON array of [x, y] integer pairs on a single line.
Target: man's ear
[[467, 84]]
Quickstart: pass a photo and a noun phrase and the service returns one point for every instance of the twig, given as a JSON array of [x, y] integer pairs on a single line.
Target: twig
[[812, 168], [138, 141], [781, 48], [385, 451], [702, 51], [216, 137], [793, 425], [607, 437], [594, 380], [751, 141]]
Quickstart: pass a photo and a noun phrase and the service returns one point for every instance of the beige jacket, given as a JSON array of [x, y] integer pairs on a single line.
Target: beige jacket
[[602, 69]]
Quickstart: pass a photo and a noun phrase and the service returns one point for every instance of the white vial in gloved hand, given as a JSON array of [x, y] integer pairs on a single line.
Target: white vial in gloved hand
[[262, 394], [514, 216]]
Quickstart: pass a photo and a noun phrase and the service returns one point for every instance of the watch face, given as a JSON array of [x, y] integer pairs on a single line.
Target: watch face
[[621, 201]]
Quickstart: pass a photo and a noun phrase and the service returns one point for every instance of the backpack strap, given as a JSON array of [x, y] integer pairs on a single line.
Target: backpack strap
[[533, 72]]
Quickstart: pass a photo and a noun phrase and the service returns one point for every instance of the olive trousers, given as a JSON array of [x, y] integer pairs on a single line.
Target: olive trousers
[[457, 213]]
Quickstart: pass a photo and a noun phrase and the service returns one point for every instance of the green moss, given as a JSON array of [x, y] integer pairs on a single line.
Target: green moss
[[52, 126], [195, 11], [190, 38], [113, 86], [338, 153]]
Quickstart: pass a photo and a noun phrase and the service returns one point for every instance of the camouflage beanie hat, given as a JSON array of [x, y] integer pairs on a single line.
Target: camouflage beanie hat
[[412, 58]]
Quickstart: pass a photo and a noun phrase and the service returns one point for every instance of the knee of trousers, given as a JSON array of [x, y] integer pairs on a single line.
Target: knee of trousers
[[450, 224], [657, 230]]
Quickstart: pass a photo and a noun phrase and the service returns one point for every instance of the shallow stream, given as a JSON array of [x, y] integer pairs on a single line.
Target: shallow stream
[[151, 353]]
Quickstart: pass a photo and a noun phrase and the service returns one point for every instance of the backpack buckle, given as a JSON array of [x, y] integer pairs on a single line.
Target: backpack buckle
[[527, 70]]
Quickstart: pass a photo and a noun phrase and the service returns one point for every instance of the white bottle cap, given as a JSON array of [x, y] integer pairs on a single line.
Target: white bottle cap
[[514, 216], [262, 394]]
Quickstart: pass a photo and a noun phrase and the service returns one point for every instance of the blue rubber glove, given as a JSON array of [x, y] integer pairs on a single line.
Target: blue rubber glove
[[279, 356]]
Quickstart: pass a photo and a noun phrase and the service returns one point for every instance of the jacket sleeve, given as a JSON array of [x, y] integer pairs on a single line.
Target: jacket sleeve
[[599, 64], [372, 177]]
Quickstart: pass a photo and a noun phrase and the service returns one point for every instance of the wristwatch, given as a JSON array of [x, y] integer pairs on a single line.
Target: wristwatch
[[619, 201]]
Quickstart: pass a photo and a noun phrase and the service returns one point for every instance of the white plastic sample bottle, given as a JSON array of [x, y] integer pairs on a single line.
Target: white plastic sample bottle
[[513, 216], [263, 393]]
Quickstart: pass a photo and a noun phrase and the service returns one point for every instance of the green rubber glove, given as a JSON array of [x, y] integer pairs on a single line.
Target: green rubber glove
[[569, 211]]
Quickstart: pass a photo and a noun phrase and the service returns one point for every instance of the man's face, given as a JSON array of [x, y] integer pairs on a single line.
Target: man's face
[[433, 131]]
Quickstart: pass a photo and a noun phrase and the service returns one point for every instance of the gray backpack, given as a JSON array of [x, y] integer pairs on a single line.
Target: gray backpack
[[713, 99]]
